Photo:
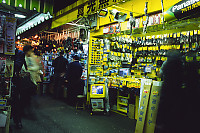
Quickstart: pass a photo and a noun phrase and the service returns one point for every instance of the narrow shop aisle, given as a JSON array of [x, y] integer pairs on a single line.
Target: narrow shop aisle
[[53, 116]]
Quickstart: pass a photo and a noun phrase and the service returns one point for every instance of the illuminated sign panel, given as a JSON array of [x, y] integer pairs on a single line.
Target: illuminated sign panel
[[183, 9]]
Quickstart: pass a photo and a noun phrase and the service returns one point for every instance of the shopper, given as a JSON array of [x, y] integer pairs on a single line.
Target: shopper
[[170, 118], [60, 65], [32, 77], [19, 61], [74, 83], [192, 85]]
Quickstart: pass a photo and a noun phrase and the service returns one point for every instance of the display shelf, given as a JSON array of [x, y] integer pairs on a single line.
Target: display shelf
[[122, 110], [120, 104], [119, 112], [125, 104], [123, 97]]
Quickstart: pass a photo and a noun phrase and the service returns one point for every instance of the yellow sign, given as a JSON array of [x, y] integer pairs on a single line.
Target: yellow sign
[[152, 107], [143, 109]]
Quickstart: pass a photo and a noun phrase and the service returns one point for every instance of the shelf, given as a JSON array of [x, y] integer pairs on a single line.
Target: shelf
[[125, 104], [123, 97], [122, 110], [119, 112], [176, 26]]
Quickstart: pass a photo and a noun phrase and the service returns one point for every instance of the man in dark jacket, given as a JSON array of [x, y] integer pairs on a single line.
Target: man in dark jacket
[[73, 78], [19, 60], [171, 116], [60, 67]]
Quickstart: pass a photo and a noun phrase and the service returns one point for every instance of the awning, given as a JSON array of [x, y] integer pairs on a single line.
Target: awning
[[33, 22]]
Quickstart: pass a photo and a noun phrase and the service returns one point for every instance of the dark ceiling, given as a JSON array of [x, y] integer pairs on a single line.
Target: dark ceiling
[[18, 10], [60, 4]]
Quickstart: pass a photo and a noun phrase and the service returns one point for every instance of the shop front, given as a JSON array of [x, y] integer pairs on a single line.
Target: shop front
[[12, 15], [127, 48]]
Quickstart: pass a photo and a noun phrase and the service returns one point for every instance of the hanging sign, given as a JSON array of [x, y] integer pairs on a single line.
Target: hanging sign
[[183, 9], [9, 48]]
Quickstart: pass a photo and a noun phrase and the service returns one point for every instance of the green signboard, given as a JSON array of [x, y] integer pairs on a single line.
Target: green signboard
[[42, 6], [183, 9]]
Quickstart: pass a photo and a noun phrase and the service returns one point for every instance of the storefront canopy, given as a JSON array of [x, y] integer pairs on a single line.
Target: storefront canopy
[[33, 22]]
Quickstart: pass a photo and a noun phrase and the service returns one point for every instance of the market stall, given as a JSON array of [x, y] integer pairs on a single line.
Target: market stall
[[7, 52], [127, 47]]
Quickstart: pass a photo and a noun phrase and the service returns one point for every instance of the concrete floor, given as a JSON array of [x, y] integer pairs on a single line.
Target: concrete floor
[[54, 116]]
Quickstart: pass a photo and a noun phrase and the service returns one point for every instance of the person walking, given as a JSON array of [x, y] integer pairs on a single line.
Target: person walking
[[74, 83], [31, 79], [60, 65]]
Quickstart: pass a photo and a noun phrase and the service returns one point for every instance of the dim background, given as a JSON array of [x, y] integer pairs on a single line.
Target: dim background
[[60, 4]]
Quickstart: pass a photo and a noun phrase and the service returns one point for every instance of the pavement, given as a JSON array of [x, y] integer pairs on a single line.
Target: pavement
[[55, 116]]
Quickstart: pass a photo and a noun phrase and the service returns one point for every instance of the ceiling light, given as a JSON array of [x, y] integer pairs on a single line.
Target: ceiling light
[[20, 5], [19, 16]]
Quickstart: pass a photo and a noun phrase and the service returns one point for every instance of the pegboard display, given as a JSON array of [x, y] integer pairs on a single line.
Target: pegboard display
[[96, 52]]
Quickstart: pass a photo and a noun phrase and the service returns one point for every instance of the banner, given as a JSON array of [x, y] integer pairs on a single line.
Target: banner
[[9, 48], [183, 9]]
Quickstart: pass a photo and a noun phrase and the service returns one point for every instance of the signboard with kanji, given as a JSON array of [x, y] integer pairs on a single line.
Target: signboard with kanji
[[143, 109], [152, 107]]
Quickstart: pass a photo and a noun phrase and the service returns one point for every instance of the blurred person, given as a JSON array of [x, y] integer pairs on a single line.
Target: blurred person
[[74, 82], [60, 65], [170, 116], [19, 61], [32, 78], [192, 85]]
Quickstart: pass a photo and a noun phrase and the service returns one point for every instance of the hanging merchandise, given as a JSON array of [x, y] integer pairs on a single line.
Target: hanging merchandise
[[83, 34], [145, 18], [132, 22]]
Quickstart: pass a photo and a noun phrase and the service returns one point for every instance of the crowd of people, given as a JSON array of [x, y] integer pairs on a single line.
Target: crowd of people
[[28, 75]]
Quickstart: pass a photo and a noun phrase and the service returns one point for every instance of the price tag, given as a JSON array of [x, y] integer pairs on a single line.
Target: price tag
[[191, 33], [130, 56], [145, 48], [140, 49], [125, 45], [150, 48], [198, 32], [178, 34], [195, 32], [184, 33]]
